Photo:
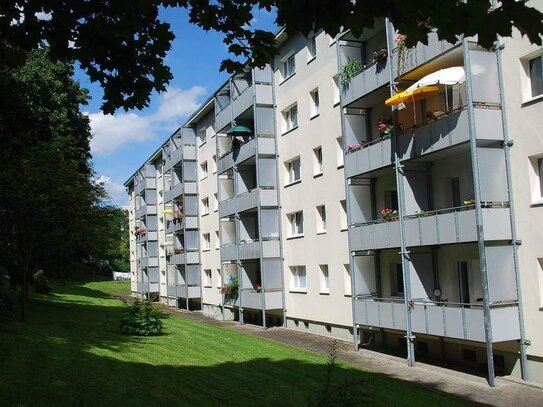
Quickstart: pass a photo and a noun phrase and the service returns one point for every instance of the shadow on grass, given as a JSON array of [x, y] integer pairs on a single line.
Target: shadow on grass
[[71, 353]]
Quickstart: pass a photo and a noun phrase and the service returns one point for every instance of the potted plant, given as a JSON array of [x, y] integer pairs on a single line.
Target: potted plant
[[380, 55], [258, 288], [385, 127], [390, 215], [351, 68], [470, 201], [230, 290]]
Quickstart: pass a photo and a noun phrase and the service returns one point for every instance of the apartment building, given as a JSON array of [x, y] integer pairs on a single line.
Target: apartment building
[[337, 191], [313, 208]]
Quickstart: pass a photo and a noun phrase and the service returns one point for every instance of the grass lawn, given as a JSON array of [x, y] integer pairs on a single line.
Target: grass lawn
[[70, 352]]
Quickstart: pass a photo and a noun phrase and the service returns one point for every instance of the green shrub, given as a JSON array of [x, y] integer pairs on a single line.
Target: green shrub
[[40, 283], [141, 318], [9, 304]]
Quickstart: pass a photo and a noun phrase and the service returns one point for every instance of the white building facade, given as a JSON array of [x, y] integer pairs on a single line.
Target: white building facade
[[308, 195]]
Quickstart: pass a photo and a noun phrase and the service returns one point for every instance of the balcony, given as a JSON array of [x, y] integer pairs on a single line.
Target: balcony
[[184, 291], [175, 226], [264, 145], [372, 77], [457, 225], [242, 102], [229, 252], [146, 183], [140, 212], [251, 298], [147, 236], [369, 157], [223, 118], [450, 320], [449, 131], [174, 192], [248, 200], [420, 54], [177, 259], [379, 234]]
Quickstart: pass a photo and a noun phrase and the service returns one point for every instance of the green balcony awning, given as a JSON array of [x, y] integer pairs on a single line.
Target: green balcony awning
[[238, 130]]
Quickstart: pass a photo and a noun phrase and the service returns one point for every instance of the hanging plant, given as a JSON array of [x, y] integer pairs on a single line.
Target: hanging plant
[[348, 71], [402, 52]]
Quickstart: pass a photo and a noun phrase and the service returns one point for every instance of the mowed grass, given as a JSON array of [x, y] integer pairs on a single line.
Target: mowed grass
[[70, 352]]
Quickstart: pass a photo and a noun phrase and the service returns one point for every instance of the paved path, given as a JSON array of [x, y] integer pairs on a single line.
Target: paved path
[[507, 392]]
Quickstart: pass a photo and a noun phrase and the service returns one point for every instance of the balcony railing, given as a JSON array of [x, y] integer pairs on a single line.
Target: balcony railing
[[457, 225], [446, 319], [223, 118], [251, 298], [372, 77], [360, 159]]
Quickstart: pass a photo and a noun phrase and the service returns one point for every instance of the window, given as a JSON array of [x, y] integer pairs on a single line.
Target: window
[[219, 282], [215, 202], [214, 164], [203, 167], [335, 89], [217, 240], [321, 219], [343, 214], [299, 278], [205, 206], [314, 94], [317, 161], [294, 170], [289, 67], [536, 178], [290, 116], [396, 279], [540, 281], [311, 47], [339, 150], [325, 279], [535, 70], [347, 278], [455, 191], [201, 136], [206, 242], [296, 221], [207, 278]]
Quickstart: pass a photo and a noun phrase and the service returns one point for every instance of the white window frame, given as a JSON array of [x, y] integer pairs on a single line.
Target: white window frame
[[206, 241], [317, 163], [288, 66], [215, 202], [321, 219], [298, 278], [291, 170], [324, 279], [340, 152], [218, 240], [336, 90], [296, 222], [347, 278], [202, 136], [214, 164], [208, 279], [343, 215], [290, 117], [526, 78], [219, 279], [311, 47], [315, 103], [205, 172], [205, 206], [536, 178]]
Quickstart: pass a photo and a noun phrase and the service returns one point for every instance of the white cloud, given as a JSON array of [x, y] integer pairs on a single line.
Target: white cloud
[[116, 192], [110, 132]]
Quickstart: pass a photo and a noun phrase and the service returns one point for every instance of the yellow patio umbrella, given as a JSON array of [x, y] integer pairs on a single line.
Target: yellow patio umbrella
[[411, 95]]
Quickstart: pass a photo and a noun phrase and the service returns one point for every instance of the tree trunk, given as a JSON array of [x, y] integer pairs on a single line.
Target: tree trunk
[[24, 295]]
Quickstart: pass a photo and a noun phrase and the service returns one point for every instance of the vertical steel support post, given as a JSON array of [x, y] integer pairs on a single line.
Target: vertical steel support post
[[479, 215]]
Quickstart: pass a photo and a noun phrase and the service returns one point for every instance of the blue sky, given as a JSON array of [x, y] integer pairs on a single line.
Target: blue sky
[[122, 142]]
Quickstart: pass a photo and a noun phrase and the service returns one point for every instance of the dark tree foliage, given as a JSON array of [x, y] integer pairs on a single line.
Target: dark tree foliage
[[122, 44], [49, 205]]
